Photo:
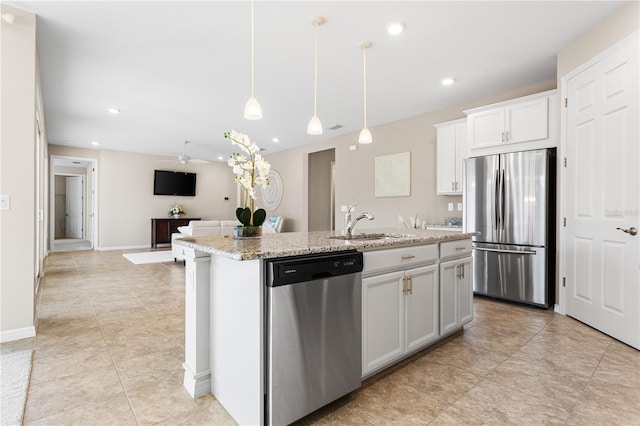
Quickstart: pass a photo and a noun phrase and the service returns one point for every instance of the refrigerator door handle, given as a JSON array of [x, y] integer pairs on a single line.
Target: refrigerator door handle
[[496, 210], [502, 199], [505, 251]]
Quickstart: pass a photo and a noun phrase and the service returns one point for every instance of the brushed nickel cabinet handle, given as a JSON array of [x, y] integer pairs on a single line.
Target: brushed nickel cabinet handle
[[407, 257], [460, 248]]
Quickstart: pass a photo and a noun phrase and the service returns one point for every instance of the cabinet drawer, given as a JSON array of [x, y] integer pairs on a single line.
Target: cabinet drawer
[[456, 248], [399, 258]]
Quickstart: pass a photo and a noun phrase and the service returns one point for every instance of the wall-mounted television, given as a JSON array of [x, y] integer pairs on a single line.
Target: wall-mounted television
[[174, 183]]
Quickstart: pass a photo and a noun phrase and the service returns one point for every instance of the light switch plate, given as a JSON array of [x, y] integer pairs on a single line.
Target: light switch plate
[[450, 207], [353, 147], [459, 207], [343, 209], [5, 202]]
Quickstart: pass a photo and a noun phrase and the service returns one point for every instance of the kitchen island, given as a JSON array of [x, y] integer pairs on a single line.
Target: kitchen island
[[225, 304]]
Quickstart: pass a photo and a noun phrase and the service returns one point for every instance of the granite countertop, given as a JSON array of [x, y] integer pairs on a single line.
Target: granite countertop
[[301, 243]]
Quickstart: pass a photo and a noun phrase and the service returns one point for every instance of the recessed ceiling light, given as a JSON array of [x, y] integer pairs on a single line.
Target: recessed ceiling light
[[275, 140], [447, 81], [95, 143], [114, 110], [220, 157], [395, 28]]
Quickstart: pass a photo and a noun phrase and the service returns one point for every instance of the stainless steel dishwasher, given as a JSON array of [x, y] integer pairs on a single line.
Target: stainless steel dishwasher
[[313, 333]]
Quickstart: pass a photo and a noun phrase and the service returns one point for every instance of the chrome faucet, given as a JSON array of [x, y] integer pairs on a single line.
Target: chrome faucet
[[349, 223]]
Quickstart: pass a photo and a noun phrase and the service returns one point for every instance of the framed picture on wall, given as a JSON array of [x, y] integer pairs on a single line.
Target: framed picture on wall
[[393, 175]]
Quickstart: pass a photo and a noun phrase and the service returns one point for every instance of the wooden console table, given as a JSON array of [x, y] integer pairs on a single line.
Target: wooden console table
[[161, 229]]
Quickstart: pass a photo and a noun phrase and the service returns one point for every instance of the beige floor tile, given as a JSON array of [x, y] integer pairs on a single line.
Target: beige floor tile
[[486, 338], [474, 359], [604, 402], [131, 344], [493, 403], [444, 383], [162, 401], [456, 416], [391, 402], [161, 367], [112, 411], [82, 359], [47, 345], [537, 379], [210, 413], [52, 397]]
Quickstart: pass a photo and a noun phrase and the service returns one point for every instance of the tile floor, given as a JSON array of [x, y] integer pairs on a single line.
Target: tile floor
[[109, 350]]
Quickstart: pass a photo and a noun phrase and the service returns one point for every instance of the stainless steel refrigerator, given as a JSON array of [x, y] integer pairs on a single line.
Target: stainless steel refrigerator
[[510, 202]]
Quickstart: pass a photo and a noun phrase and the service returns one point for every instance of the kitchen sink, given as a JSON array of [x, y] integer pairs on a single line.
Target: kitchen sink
[[364, 236]]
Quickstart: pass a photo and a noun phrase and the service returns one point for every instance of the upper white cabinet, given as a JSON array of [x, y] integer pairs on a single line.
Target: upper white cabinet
[[451, 152], [516, 125]]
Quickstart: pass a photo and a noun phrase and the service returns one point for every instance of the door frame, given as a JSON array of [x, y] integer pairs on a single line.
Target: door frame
[[91, 211], [83, 190], [561, 306]]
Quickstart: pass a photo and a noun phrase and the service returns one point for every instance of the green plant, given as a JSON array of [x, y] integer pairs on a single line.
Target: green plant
[[250, 170]]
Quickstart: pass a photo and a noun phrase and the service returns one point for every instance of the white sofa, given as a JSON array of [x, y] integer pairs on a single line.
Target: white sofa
[[201, 228], [206, 228]]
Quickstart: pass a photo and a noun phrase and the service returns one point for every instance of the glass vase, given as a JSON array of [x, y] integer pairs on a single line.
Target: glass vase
[[247, 232]]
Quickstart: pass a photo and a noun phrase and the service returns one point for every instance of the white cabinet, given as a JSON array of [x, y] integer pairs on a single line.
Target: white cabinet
[[456, 291], [516, 125], [399, 309], [451, 152]]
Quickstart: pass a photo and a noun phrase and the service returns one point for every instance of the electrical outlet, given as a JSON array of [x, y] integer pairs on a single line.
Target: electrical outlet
[[353, 147], [5, 202], [459, 207], [450, 207], [343, 209]]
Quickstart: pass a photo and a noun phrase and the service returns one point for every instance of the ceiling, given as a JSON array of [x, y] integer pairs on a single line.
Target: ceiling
[[180, 70]]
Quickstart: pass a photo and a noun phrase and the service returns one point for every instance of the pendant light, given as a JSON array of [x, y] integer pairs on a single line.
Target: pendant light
[[315, 126], [252, 109], [365, 134]]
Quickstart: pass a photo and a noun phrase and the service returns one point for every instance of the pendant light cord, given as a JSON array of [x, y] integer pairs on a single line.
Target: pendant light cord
[[315, 77], [364, 82], [252, 59]]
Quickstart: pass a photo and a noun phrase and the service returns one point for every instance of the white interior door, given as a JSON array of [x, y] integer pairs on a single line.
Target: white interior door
[[602, 195], [74, 207]]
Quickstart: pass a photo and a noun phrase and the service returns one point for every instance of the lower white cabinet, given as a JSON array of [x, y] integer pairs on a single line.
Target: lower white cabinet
[[456, 295], [399, 315]]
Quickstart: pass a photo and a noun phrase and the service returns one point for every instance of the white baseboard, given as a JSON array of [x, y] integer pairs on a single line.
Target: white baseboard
[[145, 246], [17, 334]]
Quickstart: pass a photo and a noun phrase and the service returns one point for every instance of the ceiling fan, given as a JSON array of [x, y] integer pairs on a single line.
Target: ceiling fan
[[184, 158]]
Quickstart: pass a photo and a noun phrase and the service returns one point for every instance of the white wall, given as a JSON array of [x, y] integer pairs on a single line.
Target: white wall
[[126, 202], [18, 165], [355, 169]]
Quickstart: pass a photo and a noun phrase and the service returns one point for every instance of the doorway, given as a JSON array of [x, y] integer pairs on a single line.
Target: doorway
[[321, 189], [72, 204]]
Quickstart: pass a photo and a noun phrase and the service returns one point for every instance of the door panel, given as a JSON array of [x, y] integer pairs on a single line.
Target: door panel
[[525, 182], [422, 307], [74, 207], [602, 194], [481, 183]]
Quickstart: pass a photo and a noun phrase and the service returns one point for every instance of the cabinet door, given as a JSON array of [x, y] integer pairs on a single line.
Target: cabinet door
[[465, 291], [527, 121], [449, 297], [382, 321], [485, 128], [461, 154], [446, 155], [422, 307]]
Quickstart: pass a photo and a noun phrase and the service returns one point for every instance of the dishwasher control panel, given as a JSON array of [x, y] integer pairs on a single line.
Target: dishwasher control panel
[[313, 267]]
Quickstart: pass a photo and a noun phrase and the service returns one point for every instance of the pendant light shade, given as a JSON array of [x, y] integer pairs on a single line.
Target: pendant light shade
[[365, 134], [315, 126], [252, 109]]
